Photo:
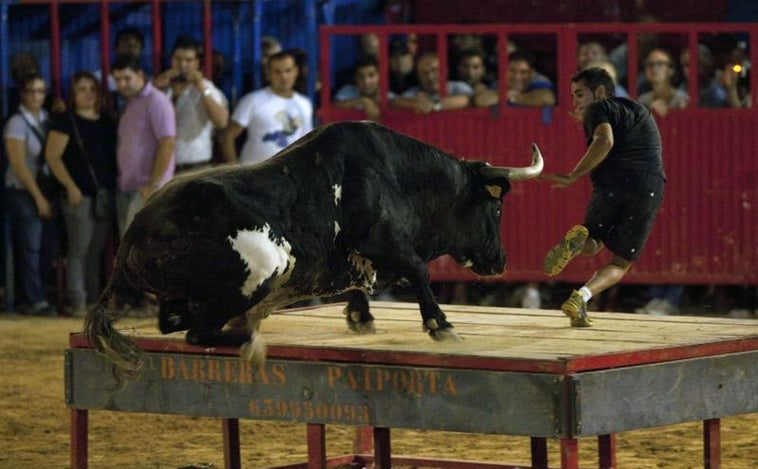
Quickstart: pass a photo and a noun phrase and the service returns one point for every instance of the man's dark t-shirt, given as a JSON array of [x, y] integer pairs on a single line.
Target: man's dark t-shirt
[[636, 140]]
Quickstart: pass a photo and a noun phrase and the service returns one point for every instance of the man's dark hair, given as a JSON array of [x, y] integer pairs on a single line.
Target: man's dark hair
[[188, 42], [130, 31], [124, 62], [365, 61], [523, 56], [594, 77]]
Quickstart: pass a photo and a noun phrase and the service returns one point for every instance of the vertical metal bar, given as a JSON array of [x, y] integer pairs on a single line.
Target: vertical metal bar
[[442, 60], [236, 54], [631, 64], [606, 451], [256, 24], [384, 70], [326, 65], [55, 49], [312, 27], [105, 41], [569, 453], [754, 63], [157, 35], [502, 71], [4, 57], [712, 443], [567, 50], [692, 73], [316, 436], [207, 39], [231, 434], [382, 448], [363, 442], [79, 429], [539, 452]]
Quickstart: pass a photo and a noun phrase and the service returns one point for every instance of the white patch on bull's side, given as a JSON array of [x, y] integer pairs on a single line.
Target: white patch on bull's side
[[365, 268], [263, 256], [337, 191], [336, 230]]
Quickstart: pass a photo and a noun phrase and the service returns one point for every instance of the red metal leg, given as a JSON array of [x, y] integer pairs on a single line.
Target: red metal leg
[[316, 445], [569, 453], [712, 443], [382, 450], [606, 451], [363, 442], [539, 453], [231, 430], [79, 429]]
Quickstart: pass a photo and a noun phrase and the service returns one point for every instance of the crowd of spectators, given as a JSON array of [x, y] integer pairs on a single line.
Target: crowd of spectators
[[132, 139]]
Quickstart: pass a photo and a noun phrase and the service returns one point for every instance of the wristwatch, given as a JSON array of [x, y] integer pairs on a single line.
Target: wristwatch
[[207, 91], [437, 105]]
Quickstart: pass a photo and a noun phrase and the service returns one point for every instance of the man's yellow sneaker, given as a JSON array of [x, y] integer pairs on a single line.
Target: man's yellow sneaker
[[576, 308], [561, 254]]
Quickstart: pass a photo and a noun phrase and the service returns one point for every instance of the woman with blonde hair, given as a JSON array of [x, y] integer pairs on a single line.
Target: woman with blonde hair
[[81, 153]]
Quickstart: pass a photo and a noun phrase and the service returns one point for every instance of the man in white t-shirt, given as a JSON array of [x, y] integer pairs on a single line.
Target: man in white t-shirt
[[200, 106], [274, 116]]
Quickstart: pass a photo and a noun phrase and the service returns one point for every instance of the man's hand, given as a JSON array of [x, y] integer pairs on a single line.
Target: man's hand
[[163, 80]]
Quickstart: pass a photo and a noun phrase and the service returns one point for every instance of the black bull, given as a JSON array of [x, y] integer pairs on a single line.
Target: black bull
[[352, 206]]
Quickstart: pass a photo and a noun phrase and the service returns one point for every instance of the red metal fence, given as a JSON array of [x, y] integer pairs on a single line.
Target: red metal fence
[[707, 229]]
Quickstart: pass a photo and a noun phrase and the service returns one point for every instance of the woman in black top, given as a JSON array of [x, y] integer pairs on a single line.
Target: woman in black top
[[82, 141]]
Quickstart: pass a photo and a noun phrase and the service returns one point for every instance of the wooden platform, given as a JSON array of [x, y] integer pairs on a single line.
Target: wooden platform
[[516, 372]]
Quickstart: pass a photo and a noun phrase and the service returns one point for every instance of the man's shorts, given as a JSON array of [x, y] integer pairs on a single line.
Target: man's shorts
[[621, 215]]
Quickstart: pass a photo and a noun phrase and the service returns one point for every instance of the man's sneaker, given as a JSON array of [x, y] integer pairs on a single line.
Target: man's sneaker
[[576, 308], [561, 254]]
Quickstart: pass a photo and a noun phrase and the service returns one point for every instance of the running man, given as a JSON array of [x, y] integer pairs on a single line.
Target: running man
[[623, 160]]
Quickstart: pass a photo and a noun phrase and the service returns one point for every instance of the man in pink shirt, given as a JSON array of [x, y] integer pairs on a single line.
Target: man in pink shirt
[[146, 134]]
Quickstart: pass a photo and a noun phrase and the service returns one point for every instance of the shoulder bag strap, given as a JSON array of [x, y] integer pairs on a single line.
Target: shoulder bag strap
[[40, 137], [81, 148]]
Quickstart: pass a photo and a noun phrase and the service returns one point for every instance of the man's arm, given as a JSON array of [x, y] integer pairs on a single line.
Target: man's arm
[[601, 145], [228, 138], [217, 112], [162, 160]]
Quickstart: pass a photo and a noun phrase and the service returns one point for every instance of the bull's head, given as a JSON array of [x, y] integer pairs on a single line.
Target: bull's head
[[479, 247]]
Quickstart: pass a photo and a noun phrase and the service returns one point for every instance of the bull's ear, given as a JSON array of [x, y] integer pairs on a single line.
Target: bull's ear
[[495, 191]]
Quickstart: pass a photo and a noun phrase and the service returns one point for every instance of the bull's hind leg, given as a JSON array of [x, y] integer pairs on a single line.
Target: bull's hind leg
[[174, 315], [206, 330], [359, 318]]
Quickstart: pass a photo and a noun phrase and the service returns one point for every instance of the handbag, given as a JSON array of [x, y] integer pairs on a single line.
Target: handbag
[[102, 202], [47, 183]]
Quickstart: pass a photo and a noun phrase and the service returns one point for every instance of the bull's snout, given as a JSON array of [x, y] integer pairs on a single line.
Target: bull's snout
[[488, 265]]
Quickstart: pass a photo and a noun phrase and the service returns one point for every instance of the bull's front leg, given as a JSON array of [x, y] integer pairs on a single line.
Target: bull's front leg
[[434, 321]]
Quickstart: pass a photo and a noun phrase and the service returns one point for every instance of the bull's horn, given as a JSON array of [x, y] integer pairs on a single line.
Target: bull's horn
[[518, 174]]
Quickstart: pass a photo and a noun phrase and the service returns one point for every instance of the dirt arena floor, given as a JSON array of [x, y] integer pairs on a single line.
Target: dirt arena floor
[[34, 432]]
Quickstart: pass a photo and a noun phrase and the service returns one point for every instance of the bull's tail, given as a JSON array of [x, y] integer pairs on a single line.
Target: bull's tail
[[124, 354]]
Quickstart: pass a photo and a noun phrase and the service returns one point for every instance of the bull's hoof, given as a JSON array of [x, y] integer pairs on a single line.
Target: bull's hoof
[[254, 351], [355, 324], [445, 334]]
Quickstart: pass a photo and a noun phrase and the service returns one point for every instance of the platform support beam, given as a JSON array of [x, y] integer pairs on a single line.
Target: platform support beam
[[712, 444], [569, 453], [316, 434], [606, 451], [79, 430], [539, 452], [231, 432], [382, 449]]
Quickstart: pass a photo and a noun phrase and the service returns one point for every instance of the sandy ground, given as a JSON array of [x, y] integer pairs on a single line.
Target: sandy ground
[[34, 432]]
